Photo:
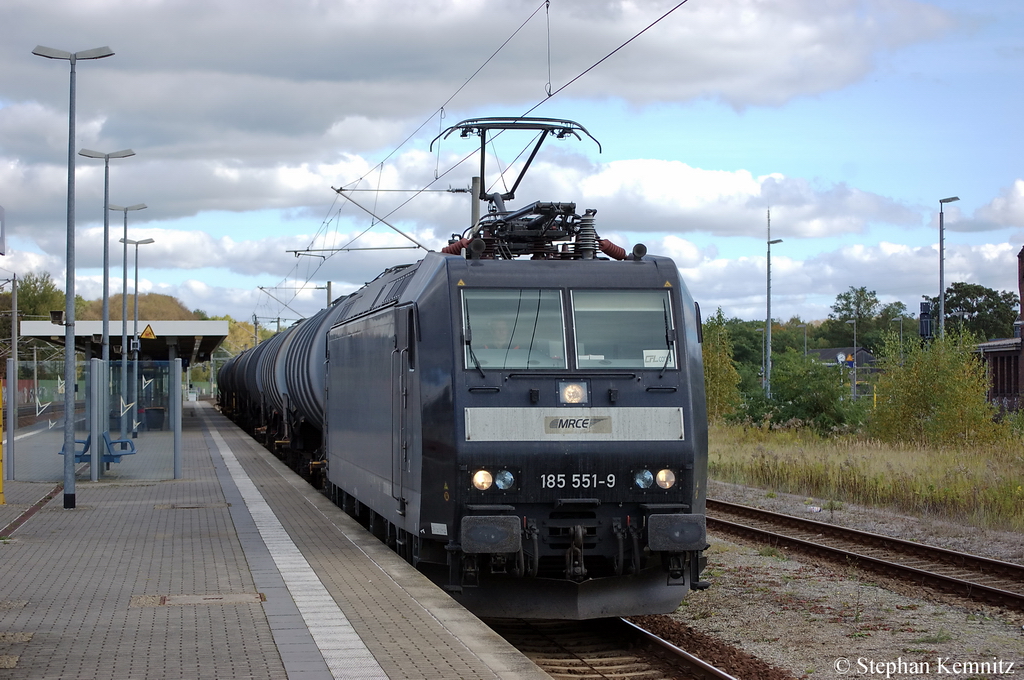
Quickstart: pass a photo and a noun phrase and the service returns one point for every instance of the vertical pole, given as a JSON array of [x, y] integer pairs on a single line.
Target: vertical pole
[[133, 411], [105, 350], [2, 500], [12, 417], [69, 314], [97, 424], [12, 375], [176, 414], [475, 206], [768, 323], [136, 397], [329, 298], [942, 275]]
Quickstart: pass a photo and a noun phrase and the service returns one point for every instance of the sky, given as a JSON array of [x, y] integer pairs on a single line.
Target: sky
[[848, 120]]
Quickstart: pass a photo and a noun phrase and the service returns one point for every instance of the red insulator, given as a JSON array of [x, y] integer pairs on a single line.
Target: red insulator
[[611, 250], [456, 248]]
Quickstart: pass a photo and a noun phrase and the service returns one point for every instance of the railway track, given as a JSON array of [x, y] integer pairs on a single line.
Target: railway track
[[601, 648], [978, 578]]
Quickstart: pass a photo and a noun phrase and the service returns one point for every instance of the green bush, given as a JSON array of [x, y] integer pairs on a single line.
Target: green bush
[[805, 393], [934, 394], [721, 380]]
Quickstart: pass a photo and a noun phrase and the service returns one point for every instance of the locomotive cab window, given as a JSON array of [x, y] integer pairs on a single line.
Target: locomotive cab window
[[513, 329], [623, 329]]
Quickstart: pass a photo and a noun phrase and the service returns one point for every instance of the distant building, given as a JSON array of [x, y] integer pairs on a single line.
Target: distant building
[[844, 356], [833, 356], [1003, 356]]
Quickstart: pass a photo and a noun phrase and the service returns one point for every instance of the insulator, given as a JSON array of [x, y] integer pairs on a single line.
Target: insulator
[[586, 238]]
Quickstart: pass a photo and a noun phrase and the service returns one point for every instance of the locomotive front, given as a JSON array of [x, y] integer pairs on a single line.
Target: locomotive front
[[580, 439]]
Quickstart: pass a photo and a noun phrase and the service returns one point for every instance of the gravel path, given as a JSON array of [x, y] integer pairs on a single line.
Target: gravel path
[[817, 619]]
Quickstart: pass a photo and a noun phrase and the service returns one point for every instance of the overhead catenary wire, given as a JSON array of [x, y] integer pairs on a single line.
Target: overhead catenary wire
[[440, 111]]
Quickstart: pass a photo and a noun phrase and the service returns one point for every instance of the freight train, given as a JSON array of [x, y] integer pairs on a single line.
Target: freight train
[[521, 415]]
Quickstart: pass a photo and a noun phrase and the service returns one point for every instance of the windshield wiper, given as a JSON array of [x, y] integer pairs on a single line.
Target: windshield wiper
[[670, 341], [468, 335]]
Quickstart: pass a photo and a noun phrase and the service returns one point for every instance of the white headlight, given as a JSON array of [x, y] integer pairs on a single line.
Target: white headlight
[[482, 480], [573, 392], [666, 479]]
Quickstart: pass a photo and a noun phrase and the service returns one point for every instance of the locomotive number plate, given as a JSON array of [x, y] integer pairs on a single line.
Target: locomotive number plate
[[576, 481]]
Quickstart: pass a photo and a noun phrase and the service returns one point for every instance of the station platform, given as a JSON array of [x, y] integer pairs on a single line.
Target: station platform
[[238, 570]]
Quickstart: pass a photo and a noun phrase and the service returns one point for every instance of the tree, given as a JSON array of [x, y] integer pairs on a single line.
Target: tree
[[747, 339], [933, 393], [721, 380], [986, 313], [152, 306], [38, 295], [806, 391], [859, 304]]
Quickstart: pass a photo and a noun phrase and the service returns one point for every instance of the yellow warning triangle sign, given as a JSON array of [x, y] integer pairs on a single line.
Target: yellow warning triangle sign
[[148, 334]]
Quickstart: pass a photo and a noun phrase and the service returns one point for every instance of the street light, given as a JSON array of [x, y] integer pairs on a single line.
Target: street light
[[768, 323], [89, 153], [124, 311], [942, 264], [853, 388], [69, 287], [804, 326], [135, 339]]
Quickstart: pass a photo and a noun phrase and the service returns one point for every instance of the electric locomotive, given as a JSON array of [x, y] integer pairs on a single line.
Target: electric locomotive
[[521, 415]]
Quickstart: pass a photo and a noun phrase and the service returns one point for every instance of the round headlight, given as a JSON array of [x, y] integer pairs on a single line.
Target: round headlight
[[643, 479], [666, 479], [504, 480], [482, 480]]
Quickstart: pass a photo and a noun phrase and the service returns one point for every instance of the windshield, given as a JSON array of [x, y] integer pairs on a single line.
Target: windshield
[[623, 329], [513, 328]]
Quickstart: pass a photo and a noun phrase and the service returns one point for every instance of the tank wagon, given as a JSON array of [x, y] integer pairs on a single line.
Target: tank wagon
[[521, 416]]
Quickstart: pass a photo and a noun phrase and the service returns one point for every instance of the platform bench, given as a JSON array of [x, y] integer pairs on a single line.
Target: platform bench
[[109, 454]]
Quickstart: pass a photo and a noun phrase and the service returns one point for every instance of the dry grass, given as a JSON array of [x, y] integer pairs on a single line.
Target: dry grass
[[983, 486]]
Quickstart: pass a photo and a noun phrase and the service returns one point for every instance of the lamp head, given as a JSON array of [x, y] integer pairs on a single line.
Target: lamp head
[[949, 200]]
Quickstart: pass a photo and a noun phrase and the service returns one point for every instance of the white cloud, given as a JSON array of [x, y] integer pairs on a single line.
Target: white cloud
[[242, 108], [1007, 210]]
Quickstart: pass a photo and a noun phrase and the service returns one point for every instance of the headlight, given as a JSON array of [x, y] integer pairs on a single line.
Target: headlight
[[505, 480], [482, 480], [643, 479], [666, 479], [573, 392]]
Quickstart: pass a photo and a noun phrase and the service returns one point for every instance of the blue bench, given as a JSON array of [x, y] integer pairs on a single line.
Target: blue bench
[[110, 454]]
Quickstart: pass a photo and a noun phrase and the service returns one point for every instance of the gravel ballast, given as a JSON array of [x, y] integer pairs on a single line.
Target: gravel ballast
[[820, 619]]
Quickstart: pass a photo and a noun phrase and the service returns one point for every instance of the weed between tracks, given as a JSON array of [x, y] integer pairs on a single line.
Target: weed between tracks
[[983, 486]]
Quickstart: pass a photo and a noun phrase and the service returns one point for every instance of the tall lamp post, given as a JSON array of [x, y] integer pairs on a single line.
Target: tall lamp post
[[853, 388], [942, 264], [124, 313], [768, 323], [89, 153], [135, 333], [69, 287]]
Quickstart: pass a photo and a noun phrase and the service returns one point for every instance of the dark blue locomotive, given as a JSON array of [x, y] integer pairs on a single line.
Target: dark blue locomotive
[[530, 433]]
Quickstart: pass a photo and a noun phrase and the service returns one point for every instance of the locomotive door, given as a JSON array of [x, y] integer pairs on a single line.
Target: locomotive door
[[402, 366]]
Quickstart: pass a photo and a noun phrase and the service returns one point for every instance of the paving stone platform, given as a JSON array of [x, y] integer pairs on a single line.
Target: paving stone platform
[[237, 570]]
